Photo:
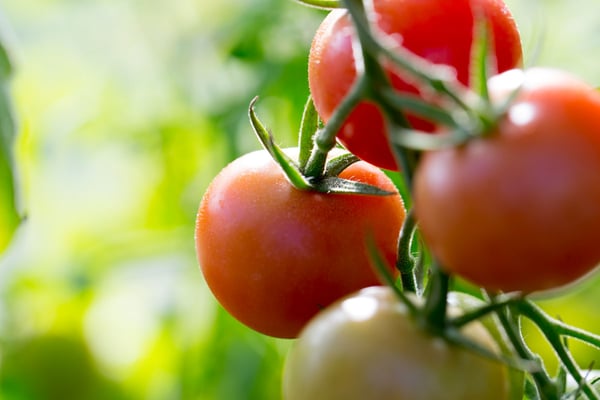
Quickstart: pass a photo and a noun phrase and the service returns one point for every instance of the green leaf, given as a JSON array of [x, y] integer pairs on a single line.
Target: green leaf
[[9, 215], [6, 68], [5, 65]]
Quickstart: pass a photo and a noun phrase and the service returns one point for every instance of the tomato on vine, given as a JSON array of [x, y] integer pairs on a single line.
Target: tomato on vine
[[368, 346], [440, 31], [274, 255], [519, 208]]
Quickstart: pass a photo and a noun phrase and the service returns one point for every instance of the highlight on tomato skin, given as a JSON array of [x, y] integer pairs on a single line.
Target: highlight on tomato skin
[[367, 346], [438, 30], [519, 209], [274, 256]]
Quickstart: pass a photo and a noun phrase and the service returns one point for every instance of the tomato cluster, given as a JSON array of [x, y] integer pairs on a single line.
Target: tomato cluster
[[510, 204]]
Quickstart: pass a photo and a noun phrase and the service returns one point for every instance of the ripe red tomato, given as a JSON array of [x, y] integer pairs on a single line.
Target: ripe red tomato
[[367, 346], [438, 30], [519, 209], [274, 256]]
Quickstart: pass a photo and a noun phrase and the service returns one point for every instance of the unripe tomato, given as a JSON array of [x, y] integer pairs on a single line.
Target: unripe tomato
[[274, 256], [519, 209], [438, 30], [367, 346]]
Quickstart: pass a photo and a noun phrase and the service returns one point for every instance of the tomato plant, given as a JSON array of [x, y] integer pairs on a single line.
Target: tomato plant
[[519, 208], [368, 346], [505, 194], [274, 256], [441, 31]]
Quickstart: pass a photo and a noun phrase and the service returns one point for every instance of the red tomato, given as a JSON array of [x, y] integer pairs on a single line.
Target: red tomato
[[367, 346], [274, 256], [438, 30], [519, 209]]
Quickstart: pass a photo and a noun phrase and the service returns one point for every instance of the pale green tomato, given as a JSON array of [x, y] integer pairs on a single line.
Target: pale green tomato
[[367, 346]]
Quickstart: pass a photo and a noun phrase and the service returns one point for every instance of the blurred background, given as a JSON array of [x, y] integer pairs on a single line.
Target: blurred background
[[126, 110]]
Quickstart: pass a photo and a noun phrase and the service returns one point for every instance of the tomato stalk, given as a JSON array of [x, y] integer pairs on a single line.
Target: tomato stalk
[[378, 85], [440, 78], [388, 279], [484, 310], [406, 262], [546, 387], [434, 313], [552, 331], [436, 302]]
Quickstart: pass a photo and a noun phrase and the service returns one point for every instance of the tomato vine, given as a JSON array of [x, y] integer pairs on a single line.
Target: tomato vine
[[463, 114]]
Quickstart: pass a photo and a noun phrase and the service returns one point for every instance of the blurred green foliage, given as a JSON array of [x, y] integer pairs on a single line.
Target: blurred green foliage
[[9, 215], [126, 110]]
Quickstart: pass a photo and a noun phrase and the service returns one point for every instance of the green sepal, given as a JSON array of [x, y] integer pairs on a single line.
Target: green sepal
[[323, 184], [308, 128], [335, 185], [337, 164], [322, 4], [289, 167]]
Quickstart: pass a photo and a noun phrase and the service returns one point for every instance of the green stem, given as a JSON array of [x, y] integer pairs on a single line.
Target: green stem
[[546, 387], [482, 311], [548, 327], [406, 261], [382, 268], [532, 311]]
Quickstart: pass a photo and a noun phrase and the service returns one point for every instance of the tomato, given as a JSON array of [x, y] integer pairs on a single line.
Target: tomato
[[438, 30], [519, 209], [274, 256], [367, 346]]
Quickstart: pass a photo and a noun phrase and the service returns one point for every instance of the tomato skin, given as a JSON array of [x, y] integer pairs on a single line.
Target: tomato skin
[[274, 256], [519, 210], [438, 30], [366, 346]]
